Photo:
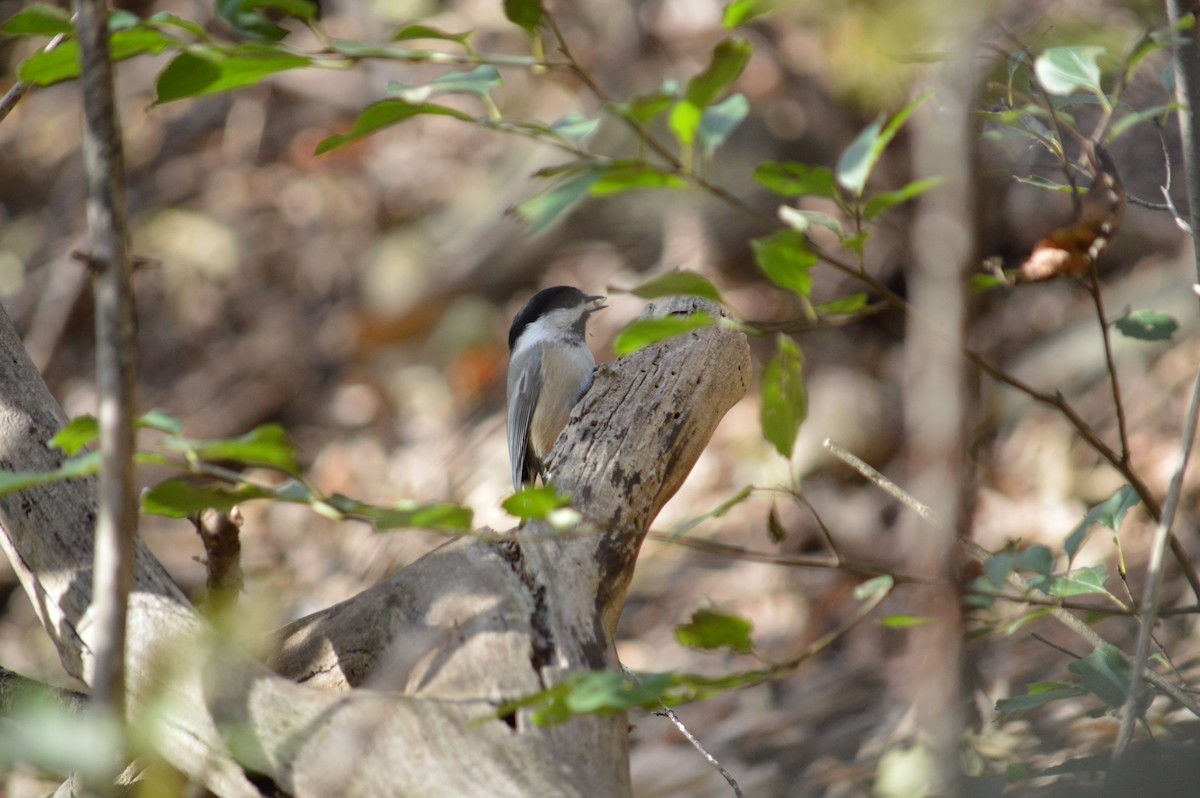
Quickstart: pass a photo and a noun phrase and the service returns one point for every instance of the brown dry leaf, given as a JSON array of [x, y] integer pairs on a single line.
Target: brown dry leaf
[[1072, 250]]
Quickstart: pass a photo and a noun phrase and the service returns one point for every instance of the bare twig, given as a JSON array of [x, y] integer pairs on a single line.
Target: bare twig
[[880, 481], [116, 355], [1154, 577], [787, 560], [1093, 286], [1093, 440], [1186, 49], [20, 88], [219, 532], [1028, 593], [667, 712]]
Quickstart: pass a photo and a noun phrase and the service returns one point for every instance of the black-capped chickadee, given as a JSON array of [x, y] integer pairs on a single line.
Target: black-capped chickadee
[[549, 368]]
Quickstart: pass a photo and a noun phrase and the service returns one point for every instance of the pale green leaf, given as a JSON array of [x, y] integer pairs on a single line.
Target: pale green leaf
[[384, 114], [682, 282], [645, 332], [1063, 70], [783, 397]]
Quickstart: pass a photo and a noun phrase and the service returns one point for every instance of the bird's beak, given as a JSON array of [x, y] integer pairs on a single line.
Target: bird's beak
[[596, 303]]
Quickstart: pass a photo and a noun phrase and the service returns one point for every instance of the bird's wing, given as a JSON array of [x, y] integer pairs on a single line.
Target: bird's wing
[[524, 387]]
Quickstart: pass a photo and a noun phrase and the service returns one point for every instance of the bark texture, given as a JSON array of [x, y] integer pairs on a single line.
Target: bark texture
[[430, 652]]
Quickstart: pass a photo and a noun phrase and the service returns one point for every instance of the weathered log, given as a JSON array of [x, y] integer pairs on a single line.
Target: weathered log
[[432, 651]]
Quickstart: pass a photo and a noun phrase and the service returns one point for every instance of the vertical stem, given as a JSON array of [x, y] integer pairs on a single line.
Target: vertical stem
[[1154, 577], [116, 522], [935, 396], [1106, 335], [1187, 93]]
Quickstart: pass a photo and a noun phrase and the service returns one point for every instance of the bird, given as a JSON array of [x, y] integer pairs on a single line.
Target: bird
[[549, 369]]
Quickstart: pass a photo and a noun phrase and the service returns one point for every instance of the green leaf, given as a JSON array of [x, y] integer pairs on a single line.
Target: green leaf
[[83, 466], [439, 517], [619, 176], [39, 19], [739, 12], [802, 221], [874, 587], [478, 81], [1147, 325], [1109, 513], [180, 497], [1027, 618], [573, 126], [303, 10], [784, 257], [1037, 558], [784, 398], [889, 199], [244, 16], [536, 503], [718, 122], [729, 60], [645, 332], [717, 512], [982, 283], [1063, 70], [1080, 582], [241, 16], [603, 691], [904, 621], [644, 108], [383, 114], [791, 179], [412, 515], [45, 68], [859, 159], [265, 445], [165, 18], [682, 282], [79, 432], [411, 32], [1105, 674], [526, 13], [1129, 122], [542, 211], [200, 71], [1038, 694], [842, 305], [710, 630], [161, 421], [856, 163]]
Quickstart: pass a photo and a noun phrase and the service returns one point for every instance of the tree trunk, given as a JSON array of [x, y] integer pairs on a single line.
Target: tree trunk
[[433, 651]]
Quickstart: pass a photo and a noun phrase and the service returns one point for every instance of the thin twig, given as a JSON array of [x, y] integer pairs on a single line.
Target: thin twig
[[20, 88], [1057, 610], [1055, 646], [1154, 577], [669, 713], [1093, 286], [788, 560], [880, 481], [1056, 400], [116, 356], [1186, 62], [826, 535]]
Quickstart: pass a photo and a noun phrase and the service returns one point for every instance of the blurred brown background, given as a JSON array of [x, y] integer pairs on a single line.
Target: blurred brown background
[[362, 299]]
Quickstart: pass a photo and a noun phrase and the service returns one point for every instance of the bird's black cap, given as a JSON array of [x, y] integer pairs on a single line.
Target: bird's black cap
[[541, 303]]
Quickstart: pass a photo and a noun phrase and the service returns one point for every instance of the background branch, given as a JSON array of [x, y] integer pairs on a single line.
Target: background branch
[[116, 353]]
